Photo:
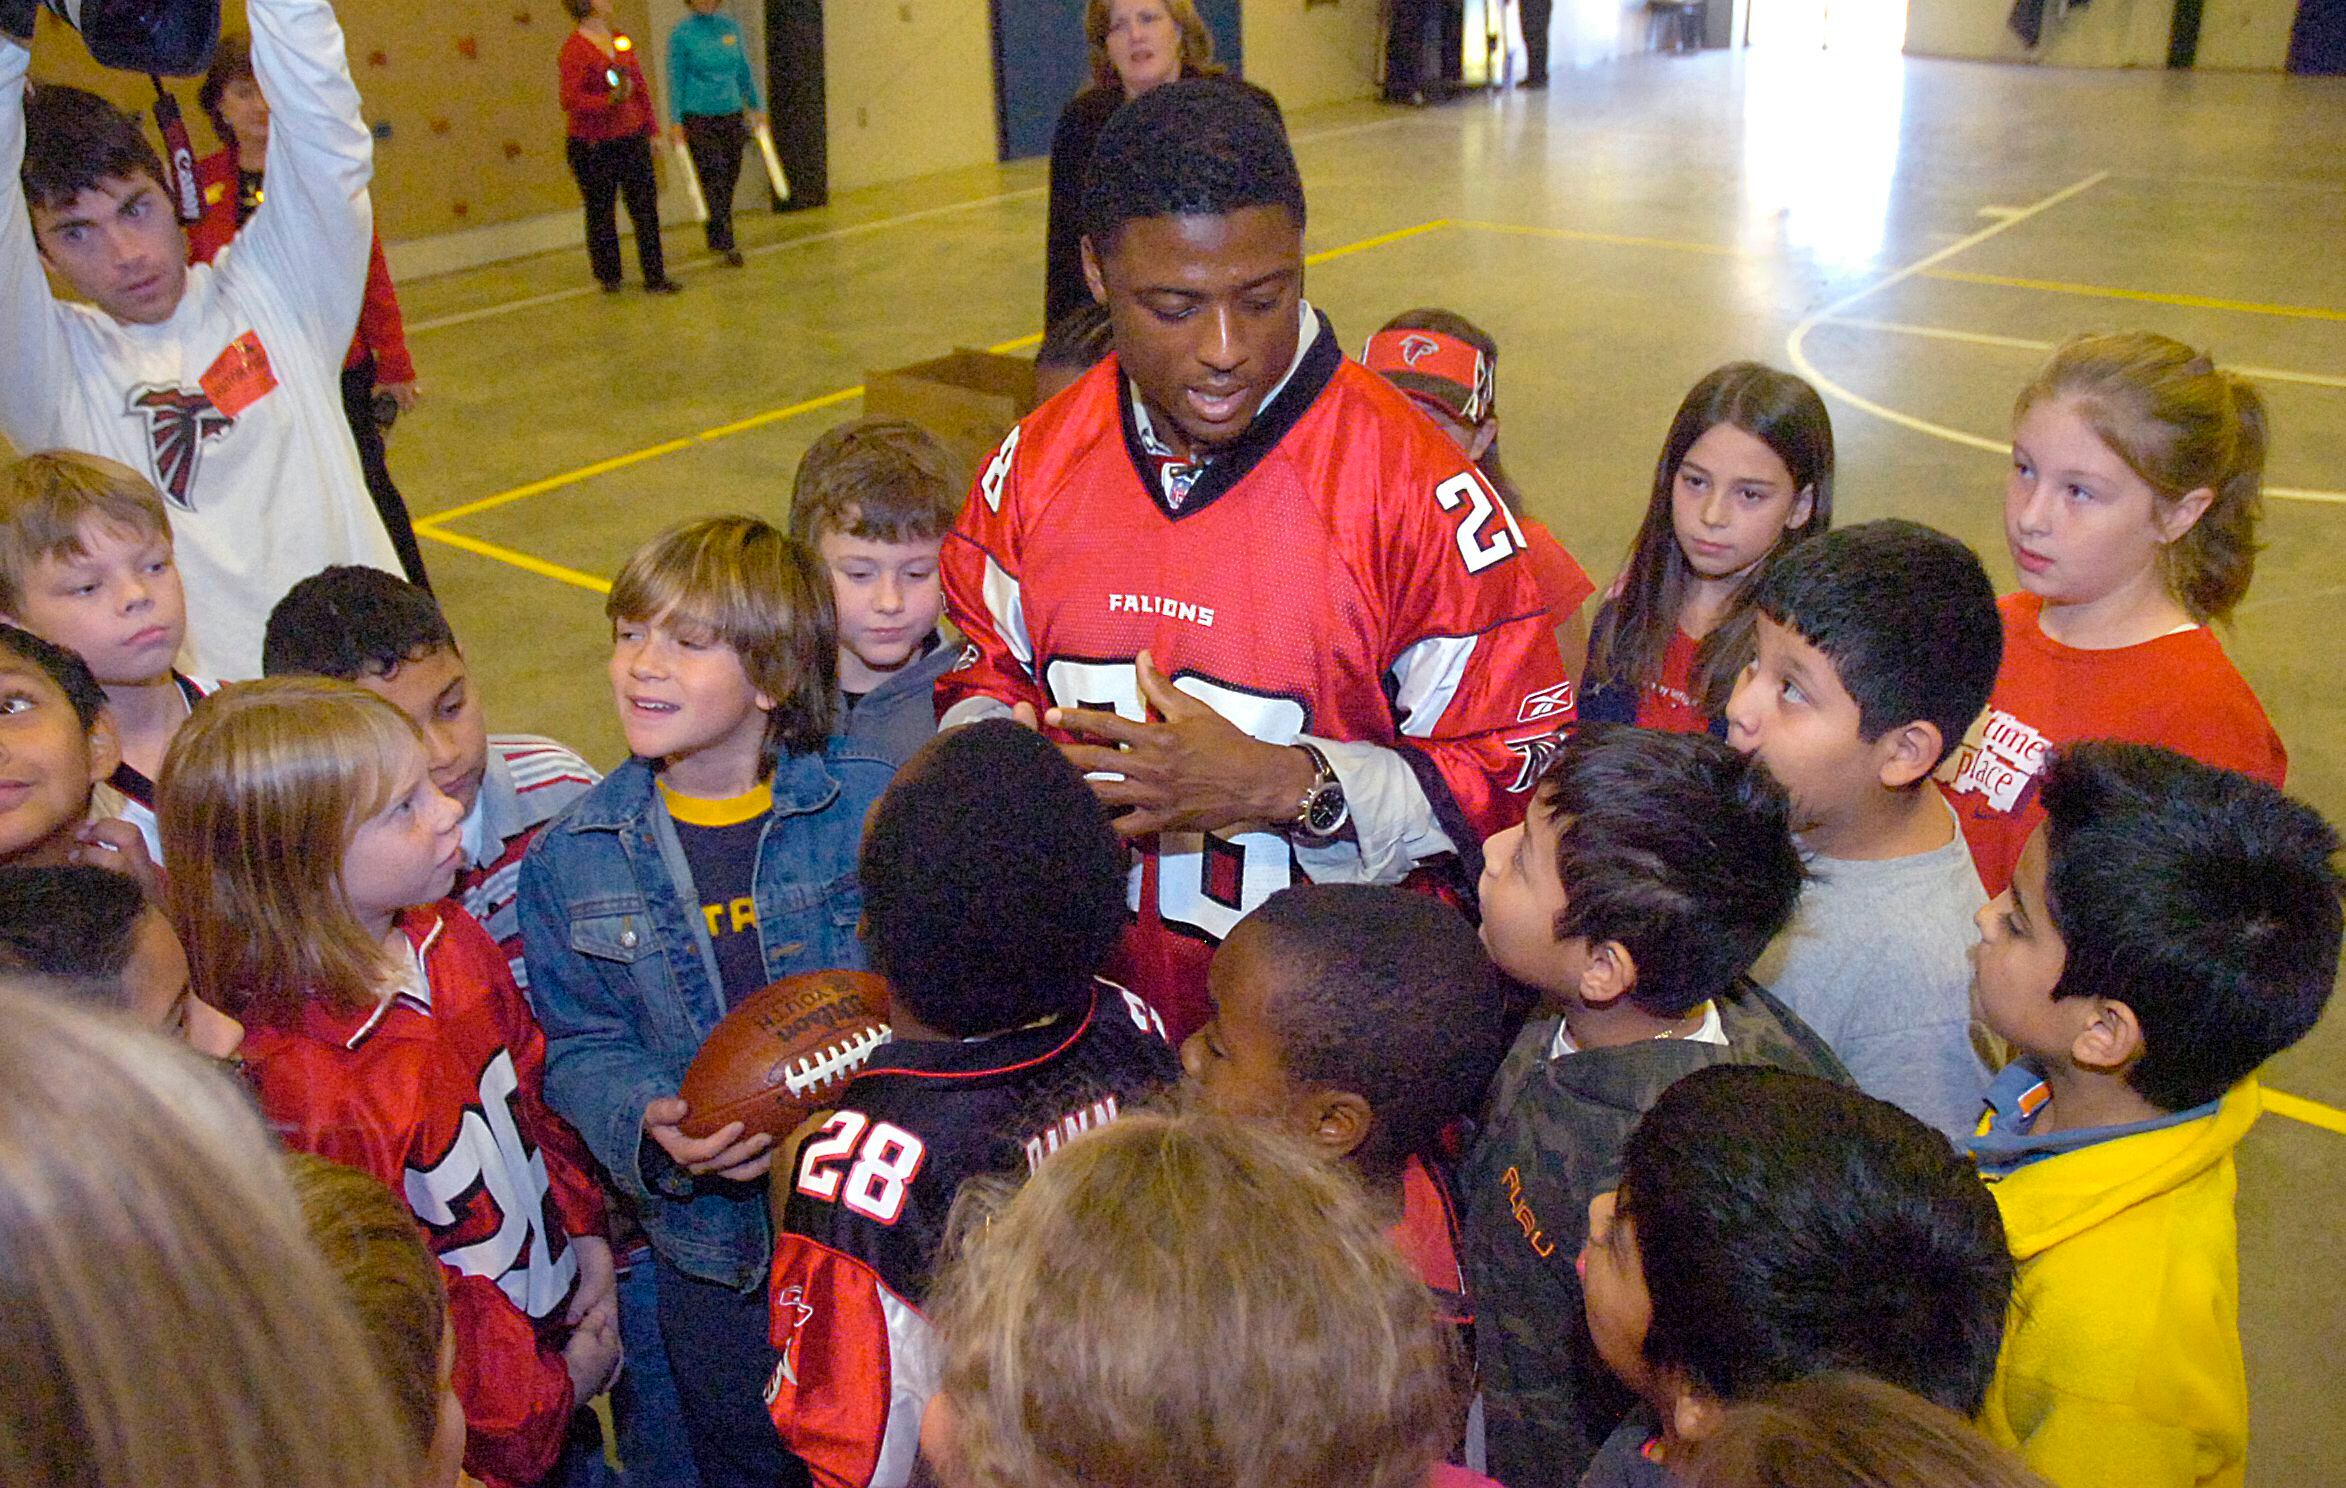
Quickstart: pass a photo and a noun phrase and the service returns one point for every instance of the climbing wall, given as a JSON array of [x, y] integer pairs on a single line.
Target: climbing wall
[[462, 95]]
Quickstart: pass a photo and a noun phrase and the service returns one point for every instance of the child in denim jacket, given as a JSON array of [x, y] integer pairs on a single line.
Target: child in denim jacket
[[719, 858]]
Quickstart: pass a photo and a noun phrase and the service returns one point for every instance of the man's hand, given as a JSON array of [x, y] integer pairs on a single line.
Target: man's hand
[[404, 394], [724, 1152], [757, 119], [1193, 772]]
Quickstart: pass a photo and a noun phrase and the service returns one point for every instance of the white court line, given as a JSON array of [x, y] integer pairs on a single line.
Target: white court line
[[1795, 344], [828, 235], [2022, 343]]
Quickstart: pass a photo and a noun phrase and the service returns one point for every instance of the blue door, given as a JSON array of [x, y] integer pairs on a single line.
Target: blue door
[[1040, 62]]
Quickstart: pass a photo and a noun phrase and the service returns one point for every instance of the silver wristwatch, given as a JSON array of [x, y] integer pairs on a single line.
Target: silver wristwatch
[[1323, 812]]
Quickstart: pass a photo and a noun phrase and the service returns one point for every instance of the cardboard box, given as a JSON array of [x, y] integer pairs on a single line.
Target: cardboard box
[[969, 400]]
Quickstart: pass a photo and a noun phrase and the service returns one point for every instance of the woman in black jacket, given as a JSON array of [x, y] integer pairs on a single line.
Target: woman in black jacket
[[1135, 45]]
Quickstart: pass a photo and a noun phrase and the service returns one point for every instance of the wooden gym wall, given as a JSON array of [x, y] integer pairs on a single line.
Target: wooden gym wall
[[467, 87]]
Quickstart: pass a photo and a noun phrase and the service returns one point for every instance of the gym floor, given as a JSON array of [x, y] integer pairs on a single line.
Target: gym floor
[[1910, 235]]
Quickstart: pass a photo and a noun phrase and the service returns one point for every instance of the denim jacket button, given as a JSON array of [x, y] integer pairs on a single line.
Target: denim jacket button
[[627, 939]]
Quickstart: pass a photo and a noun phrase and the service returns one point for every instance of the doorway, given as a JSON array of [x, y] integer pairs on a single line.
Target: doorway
[[1041, 61], [1850, 26]]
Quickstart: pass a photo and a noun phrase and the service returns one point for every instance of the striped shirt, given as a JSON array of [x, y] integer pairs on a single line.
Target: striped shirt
[[529, 781]]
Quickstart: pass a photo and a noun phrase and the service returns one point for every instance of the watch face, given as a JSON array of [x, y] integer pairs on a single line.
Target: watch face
[[1324, 814]]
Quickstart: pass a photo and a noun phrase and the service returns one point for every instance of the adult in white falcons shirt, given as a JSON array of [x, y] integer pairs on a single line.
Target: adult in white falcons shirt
[[222, 382], [1266, 602]]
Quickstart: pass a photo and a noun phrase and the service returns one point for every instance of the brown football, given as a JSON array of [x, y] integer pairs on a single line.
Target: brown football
[[784, 1051]]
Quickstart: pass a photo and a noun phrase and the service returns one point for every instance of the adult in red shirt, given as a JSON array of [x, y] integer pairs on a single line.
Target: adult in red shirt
[[378, 362], [1283, 620], [608, 109]]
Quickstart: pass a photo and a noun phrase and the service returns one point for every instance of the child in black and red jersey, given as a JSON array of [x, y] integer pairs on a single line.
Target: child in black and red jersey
[[993, 892]]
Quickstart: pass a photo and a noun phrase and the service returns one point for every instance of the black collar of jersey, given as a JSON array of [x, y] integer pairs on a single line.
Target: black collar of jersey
[[983, 1058], [1230, 466], [135, 786]]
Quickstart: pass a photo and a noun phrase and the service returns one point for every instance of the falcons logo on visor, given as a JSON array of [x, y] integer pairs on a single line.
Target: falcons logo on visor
[[179, 423], [1415, 349]]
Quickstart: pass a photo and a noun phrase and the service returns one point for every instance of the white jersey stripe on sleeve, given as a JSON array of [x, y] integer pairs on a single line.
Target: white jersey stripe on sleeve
[[1008, 607], [1426, 678], [912, 1379]]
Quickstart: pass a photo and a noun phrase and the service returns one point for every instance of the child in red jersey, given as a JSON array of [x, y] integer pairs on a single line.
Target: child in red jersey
[[1449, 367], [384, 1031], [2131, 514], [1746, 472], [1364, 1020]]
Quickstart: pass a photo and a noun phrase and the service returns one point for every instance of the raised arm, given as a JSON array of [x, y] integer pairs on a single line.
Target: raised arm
[[34, 358], [310, 239]]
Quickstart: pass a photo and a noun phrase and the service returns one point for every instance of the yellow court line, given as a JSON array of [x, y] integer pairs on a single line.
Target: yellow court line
[[1618, 240], [2150, 297], [523, 561], [2298, 1108], [1380, 240], [434, 526]]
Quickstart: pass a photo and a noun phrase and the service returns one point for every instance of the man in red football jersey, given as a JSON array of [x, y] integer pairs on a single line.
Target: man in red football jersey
[[1263, 599]]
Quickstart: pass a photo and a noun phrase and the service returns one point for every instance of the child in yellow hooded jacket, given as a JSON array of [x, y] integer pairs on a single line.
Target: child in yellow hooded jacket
[[2169, 928]]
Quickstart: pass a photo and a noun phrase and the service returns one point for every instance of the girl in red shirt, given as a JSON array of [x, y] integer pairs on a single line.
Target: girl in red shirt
[[1449, 368], [385, 1032], [608, 111], [2131, 513], [1746, 472]]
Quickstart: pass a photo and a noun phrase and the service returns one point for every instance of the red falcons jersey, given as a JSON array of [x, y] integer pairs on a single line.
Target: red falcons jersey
[[440, 1096], [1340, 571], [868, 1205]]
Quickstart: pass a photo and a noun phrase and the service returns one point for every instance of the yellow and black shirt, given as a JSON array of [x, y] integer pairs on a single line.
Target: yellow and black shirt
[[720, 841]]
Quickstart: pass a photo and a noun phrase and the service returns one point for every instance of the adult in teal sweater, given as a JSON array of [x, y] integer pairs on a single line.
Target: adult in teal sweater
[[713, 92]]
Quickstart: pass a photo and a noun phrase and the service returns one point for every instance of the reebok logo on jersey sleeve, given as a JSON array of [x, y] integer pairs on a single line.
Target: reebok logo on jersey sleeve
[[1545, 703]]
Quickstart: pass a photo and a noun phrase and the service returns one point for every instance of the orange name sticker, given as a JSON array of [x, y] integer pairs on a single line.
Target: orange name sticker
[[240, 376]]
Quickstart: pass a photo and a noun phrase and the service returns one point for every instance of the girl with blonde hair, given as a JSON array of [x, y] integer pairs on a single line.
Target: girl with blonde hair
[[1187, 1301], [2130, 510], [308, 845], [163, 1315]]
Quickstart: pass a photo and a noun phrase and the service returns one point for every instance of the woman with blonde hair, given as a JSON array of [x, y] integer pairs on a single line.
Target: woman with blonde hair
[[1186, 1301], [1135, 45], [163, 1315], [311, 852]]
